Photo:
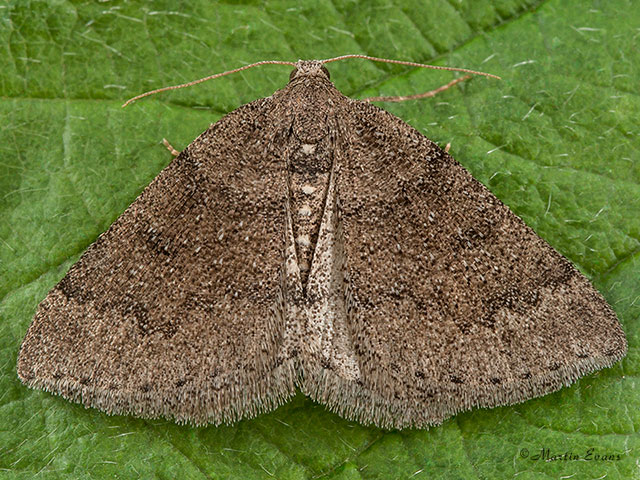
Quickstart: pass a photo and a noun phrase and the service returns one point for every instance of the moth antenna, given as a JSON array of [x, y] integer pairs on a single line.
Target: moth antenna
[[411, 64], [210, 77]]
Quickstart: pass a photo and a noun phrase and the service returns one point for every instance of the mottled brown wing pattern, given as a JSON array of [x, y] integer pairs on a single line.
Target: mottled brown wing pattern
[[315, 241], [453, 301], [177, 310]]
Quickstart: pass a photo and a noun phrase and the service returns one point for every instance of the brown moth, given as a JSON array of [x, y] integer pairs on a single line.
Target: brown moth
[[307, 240]]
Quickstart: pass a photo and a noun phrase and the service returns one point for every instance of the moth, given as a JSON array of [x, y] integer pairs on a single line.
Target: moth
[[310, 241]]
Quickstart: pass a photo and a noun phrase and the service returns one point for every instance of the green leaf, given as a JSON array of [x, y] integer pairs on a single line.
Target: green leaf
[[557, 140]]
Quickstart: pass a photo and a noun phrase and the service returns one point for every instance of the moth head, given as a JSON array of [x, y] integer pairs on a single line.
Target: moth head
[[309, 68]]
